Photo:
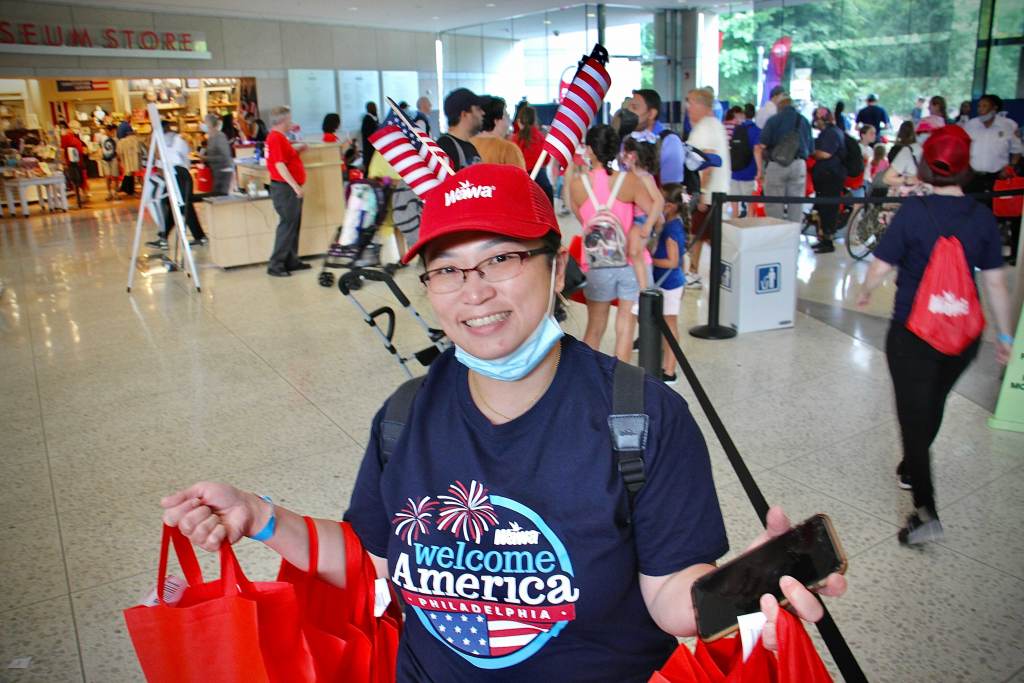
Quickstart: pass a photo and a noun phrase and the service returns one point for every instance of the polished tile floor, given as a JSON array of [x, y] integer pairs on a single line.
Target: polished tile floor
[[110, 400]]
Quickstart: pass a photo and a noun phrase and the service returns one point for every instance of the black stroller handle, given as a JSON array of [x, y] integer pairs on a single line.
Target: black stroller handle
[[390, 314], [374, 275]]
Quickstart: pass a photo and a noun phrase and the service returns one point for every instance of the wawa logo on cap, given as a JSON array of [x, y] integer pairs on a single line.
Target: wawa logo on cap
[[467, 190]]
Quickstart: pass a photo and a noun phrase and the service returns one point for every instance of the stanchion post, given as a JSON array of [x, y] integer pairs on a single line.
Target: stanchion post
[[651, 306], [713, 330]]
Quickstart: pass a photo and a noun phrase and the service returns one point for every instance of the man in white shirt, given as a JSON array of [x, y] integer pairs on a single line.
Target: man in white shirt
[[709, 136], [771, 107], [177, 158], [995, 144]]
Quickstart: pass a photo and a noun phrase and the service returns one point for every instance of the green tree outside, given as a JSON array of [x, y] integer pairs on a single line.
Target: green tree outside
[[900, 50]]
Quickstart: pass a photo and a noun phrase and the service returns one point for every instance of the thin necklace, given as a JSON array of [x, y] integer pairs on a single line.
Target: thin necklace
[[558, 359]]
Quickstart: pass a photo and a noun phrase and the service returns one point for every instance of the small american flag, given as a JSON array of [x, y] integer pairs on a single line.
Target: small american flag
[[579, 107], [413, 155]]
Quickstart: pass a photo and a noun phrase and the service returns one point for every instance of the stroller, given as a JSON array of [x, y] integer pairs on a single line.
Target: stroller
[[438, 342], [353, 246]]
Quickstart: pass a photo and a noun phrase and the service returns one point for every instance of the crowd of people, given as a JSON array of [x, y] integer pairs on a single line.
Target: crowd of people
[[515, 383]]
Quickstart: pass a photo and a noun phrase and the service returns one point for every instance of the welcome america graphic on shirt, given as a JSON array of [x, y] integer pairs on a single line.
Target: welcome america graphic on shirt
[[484, 574]]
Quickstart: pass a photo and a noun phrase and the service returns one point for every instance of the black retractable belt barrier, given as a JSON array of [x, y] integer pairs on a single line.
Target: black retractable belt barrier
[[651, 330], [713, 330], [651, 304]]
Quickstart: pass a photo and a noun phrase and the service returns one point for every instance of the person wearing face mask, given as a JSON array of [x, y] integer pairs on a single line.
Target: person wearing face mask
[[995, 145], [498, 512], [492, 141]]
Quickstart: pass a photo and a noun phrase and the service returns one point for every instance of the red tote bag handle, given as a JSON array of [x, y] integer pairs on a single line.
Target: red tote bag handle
[[186, 558], [357, 577]]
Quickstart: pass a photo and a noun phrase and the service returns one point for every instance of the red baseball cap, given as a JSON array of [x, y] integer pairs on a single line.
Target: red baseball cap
[[947, 151], [493, 198]]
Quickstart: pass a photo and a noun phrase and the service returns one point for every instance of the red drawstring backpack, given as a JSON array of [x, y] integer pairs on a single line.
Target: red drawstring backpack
[[946, 312]]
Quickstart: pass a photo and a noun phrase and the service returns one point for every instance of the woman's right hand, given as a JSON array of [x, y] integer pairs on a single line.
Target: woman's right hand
[[209, 513]]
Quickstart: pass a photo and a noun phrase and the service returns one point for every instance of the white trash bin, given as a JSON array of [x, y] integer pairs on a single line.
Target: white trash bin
[[759, 273]]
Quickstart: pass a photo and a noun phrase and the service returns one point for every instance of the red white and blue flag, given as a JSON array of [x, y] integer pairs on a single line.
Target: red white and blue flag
[[485, 636], [413, 155], [579, 107]]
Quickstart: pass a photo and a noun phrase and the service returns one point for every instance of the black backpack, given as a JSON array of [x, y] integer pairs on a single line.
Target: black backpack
[[741, 152], [628, 424], [852, 159], [787, 149]]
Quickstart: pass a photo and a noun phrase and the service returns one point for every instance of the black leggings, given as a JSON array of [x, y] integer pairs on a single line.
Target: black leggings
[[922, 379], [827, 184]]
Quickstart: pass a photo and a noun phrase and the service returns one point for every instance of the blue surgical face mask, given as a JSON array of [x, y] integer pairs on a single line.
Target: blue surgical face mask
[[524, 359]]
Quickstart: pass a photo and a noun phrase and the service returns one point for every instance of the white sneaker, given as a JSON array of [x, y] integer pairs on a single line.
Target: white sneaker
[[694, 281]]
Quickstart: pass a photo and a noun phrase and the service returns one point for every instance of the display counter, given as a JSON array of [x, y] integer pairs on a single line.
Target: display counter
[[241, 228]]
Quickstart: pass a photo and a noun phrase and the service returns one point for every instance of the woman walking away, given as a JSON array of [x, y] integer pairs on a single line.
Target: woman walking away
[[605, 202], [922, 376]]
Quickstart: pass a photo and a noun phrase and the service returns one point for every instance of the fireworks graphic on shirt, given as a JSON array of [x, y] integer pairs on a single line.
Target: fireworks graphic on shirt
[[414, 519], [467, 512]]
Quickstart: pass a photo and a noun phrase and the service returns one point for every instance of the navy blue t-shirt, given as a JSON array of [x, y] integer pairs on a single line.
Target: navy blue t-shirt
[[908, 241], [831, 141], [673, 230], [510, 544]]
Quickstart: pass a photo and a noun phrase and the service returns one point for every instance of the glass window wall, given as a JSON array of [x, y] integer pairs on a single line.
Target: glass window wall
[[899, 50], [534, 56]]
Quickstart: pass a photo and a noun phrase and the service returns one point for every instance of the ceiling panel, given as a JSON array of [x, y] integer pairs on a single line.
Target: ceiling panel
[[418, 15]]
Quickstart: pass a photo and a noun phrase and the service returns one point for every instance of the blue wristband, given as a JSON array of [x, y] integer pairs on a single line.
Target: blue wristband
[[1005, 339], [268, 529]]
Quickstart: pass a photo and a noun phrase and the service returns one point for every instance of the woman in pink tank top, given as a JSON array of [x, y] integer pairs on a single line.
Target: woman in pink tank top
[[604, 283]]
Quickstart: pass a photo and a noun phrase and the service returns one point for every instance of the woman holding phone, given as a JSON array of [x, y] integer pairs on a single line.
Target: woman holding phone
[[500, 515]]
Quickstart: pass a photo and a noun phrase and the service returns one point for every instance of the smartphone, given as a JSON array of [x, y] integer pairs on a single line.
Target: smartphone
[[808, 552]]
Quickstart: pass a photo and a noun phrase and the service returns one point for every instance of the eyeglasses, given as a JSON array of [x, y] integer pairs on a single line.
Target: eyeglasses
[[497, 268]]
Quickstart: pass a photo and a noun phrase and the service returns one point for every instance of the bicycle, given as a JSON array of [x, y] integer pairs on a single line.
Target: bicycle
[[864, 230]]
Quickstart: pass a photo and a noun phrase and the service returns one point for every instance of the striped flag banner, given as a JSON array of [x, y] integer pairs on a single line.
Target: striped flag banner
[[580, 106], [413, 155]]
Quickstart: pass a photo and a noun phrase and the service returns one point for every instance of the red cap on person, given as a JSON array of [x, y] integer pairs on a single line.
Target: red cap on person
[[492, 198], [947, 151]]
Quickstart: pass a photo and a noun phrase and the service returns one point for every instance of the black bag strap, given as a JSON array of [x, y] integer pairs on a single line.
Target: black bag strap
[[628, 426], [396, 415], [830, 633]]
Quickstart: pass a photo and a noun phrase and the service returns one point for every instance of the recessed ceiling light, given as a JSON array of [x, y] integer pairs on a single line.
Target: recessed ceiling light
[[591, 15], [435, 18], [490, 4], [547, 21], [353, 9]]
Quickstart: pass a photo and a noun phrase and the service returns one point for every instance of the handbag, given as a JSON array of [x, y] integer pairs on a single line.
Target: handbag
[[1008, 207], [347, 641], [722, 661], [229, 630]]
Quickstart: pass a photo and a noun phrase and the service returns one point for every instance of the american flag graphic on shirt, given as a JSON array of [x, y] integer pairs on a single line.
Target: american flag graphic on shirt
[[485, 575], [485, 636]]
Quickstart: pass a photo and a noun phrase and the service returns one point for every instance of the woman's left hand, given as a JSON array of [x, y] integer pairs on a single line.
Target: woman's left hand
[[801, 600]]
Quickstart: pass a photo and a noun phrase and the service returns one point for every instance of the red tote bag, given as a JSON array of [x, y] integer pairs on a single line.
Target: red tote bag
[[1008, 207], [229, 630], [348, 642], [722, 660]]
